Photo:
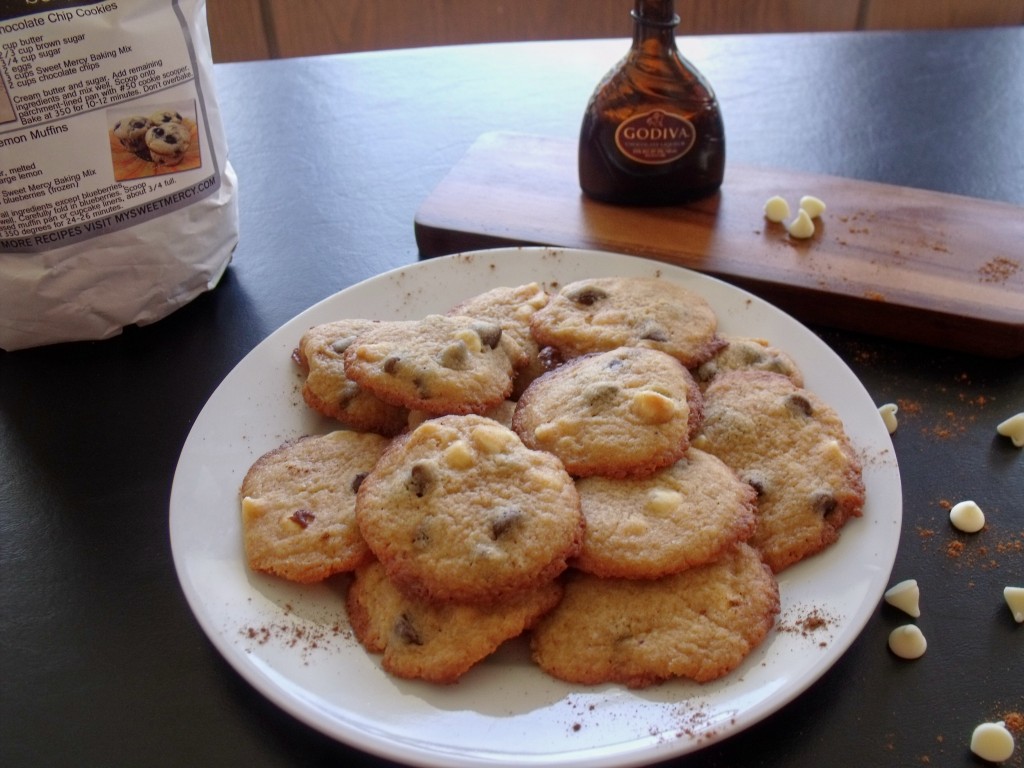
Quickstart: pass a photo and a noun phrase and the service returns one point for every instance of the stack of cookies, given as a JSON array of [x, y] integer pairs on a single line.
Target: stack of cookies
[[596, 465]]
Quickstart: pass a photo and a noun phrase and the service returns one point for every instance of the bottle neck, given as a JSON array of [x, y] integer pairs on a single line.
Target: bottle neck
[[654, 22]]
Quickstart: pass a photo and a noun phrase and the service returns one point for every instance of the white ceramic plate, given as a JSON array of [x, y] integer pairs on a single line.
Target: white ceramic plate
[[291, 642]]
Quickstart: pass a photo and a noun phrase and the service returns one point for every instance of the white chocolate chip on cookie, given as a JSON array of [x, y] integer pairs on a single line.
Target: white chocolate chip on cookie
[[458, 455], [662, 502], [546, 432], [653, 407], [493, 439], [471, 339]]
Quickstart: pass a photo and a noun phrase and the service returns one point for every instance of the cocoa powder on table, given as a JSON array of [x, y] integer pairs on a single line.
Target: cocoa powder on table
[[998, 270]]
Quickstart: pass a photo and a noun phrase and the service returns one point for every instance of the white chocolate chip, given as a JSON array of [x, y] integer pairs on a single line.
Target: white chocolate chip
[[907, 642], [801, 227], [1013, 428], [634, 525], [992, 742], [253, 509], [470, 338], [662, 501], [812, 205], [1015, 599], [967, 516], [906, 596], [834, 453], [888, 414], [538, 300], [776, 209], [370, 354], [545, 432], [653, 407], [430, 431], [492, 439], [458, 455], [290, 526]]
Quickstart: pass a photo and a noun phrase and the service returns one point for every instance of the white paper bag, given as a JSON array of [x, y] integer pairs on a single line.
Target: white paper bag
[[117, 201]]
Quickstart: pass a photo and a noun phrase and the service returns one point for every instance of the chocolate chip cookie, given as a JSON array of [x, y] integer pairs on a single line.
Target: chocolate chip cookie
[[459, 509], [682, 516], [441, 364], [436, 642], [511, 307], [699, 624], [599, 314], [627, 412], [298, 505], [745, 353], [329, 391], [792, 448]]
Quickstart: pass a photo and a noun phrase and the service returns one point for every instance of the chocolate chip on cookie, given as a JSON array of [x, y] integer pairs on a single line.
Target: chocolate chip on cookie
[[512, 307]]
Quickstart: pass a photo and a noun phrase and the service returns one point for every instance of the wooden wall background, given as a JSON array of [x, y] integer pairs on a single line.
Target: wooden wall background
[[242, 30]]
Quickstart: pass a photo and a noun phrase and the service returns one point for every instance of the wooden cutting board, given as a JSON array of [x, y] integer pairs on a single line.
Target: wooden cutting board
[[910, 264]]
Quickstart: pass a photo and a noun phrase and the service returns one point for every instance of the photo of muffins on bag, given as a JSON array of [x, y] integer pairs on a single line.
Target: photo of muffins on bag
[[165, 141]]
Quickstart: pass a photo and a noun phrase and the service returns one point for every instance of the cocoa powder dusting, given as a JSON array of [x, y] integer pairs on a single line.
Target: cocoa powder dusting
[[808, 622], [693, 724], [305, 637], [984, 551], [954, 422], [1014, 722], [998, 270], [909, 407]]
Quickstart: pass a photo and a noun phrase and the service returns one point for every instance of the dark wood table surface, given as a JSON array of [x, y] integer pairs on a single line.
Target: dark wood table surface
[[101, 661]]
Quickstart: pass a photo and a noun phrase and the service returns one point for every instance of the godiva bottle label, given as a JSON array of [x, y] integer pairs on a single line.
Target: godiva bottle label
[[655, 137]]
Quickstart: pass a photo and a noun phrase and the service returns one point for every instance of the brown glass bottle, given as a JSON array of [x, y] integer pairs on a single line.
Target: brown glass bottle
[[652, 133]]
